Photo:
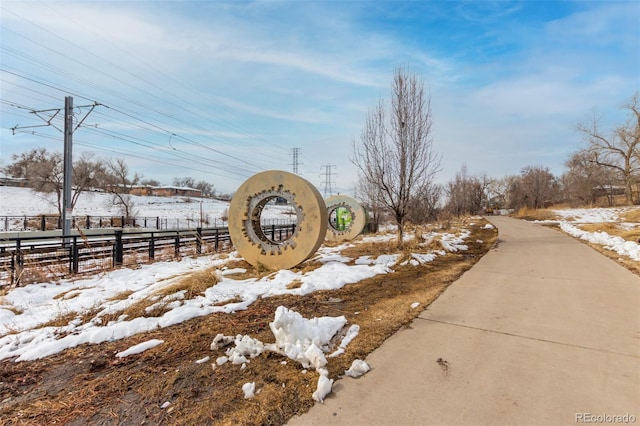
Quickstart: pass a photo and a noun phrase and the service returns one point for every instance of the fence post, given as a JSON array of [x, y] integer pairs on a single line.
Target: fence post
[[19, 263], [273, 232], [25, 224], [199, 240], [74, 256], [152, 247], [215, 245], [121, 221], [117, 256], [158, 222], [43, 223], [88, 222], [177, 245]]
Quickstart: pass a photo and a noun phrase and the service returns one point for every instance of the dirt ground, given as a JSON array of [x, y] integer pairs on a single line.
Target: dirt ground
[[165, 386]]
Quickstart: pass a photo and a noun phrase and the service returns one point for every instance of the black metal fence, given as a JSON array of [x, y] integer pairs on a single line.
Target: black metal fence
[[52, 222], [35, 258]]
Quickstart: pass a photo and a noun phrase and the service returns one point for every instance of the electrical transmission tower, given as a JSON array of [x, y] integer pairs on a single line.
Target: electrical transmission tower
[[327, 173], [295, 152], [68, 144]]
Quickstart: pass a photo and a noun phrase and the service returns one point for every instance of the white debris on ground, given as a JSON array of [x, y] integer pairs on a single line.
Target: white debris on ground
[[249, 389], [324, 386], [303, 340], [139, 348], [357, 369], [352, 332]]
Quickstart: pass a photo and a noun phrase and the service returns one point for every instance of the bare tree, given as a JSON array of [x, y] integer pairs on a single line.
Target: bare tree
[[208, 190], [44, 173], [118, 183], [370, 197], [396, 153], [535, 187], [425, 206], [467, 194], [585, 181], [619, 151], [150, 182], [186, 182]]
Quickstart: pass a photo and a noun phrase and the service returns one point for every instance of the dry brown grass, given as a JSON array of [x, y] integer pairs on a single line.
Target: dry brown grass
[[632, 234], [61, 320], [9, 307], [527, 213], [87, 385], [121, 296], [632, 215], [294, 284]]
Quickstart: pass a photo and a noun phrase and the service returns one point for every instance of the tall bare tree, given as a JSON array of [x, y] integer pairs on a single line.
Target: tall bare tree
[[396, 153], [619, 151]]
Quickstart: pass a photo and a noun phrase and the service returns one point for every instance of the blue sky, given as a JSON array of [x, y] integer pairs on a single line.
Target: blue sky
[[222, 90]]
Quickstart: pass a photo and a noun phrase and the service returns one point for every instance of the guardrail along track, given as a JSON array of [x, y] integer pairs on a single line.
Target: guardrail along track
[[35, 258]]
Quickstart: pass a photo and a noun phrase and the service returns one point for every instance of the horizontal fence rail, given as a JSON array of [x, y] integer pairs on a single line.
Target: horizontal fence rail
[[53, 222], [41, 258]]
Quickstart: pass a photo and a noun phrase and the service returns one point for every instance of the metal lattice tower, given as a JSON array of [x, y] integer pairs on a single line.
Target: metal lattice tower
[[327, 172], [295, 152]]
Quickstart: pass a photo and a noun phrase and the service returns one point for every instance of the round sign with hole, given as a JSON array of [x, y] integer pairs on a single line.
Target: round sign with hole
[[347, 218], [255, 243]]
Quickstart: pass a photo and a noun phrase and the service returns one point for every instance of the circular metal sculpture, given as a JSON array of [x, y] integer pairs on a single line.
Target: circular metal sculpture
[[347, 218], [247, 234]]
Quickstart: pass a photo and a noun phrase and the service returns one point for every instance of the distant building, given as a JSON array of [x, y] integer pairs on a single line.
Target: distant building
[[11, 181], [165, 191]]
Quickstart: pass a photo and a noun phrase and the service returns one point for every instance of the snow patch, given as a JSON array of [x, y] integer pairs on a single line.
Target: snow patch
[[139, 348]]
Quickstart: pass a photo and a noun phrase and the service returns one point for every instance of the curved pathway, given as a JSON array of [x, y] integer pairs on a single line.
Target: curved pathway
[[543, 330]]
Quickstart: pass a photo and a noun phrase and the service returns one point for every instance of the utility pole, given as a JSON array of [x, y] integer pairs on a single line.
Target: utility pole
[[68, 170], [295, 152], [67, 208], [327, 179]]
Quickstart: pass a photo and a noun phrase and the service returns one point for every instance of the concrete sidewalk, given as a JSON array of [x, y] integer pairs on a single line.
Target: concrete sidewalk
[[543, 330]]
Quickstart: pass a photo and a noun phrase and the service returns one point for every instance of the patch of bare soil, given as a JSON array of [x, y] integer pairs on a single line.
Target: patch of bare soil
[[89, 385]]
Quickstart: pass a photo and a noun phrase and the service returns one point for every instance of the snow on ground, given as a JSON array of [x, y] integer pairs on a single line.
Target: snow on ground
[[23, 201], [614, 243], [25, 311], [572, 217], [594, 215]]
